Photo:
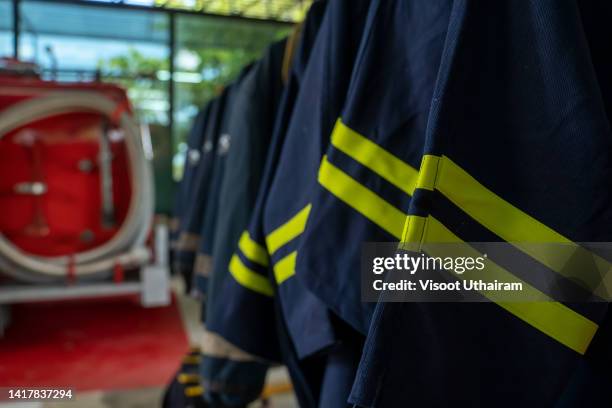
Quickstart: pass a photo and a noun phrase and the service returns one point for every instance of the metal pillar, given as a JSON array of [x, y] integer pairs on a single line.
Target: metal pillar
[[16, 28]]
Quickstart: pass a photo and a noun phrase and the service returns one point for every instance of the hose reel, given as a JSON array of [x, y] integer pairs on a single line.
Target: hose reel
[[127, 246]]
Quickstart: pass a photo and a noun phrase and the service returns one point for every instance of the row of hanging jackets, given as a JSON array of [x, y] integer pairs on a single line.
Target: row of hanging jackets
[[226, 151], [422, 121]]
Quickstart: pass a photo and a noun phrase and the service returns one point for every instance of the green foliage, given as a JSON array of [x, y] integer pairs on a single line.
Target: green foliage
[[132, 64], [216, 51]]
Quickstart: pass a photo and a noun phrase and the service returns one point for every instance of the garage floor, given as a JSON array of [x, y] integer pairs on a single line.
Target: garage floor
[[151, 397]]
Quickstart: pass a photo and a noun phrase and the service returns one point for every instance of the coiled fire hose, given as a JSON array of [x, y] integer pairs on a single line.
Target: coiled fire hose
[[127, 246]]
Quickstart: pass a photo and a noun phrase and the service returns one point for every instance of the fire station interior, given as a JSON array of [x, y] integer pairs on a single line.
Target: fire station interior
[[97, 102], [305, 203]]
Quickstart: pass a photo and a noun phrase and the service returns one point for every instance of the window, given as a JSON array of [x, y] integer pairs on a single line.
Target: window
[[6, 28], [210, 53], [128, 47], [81, 41]]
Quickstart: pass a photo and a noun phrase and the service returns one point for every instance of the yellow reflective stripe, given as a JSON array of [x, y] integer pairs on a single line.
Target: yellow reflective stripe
[[252, 250], [374, 157], [552, 318], [285, 268], [362, 199], [492, 211], [186, 378], [194, 391], [288, 231], [192, 360], [413, 233], [515, 226], [428, 172], [249, 278]]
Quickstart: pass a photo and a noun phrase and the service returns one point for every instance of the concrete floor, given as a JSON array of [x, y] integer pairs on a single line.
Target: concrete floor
[[151, 397]]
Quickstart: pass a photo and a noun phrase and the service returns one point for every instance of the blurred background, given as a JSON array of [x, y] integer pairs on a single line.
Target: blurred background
[[170, 57]]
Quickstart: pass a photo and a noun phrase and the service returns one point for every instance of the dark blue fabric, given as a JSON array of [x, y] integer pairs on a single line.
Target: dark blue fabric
[[342, 361], [247, 125], [242, 303], [250, 121], [201, 180], [211, 201], [250, 128], [230, 383], [589, 386], [518, 105], [307, 373], [191, 221], [252, 321], [195, 143], [209, 204], [196, 173], [388, 102], [317, 107], [207, 216]]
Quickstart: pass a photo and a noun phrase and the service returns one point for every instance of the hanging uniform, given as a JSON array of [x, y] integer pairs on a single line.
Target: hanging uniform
[[250, 317], [318, 104], [199, 155], [316, 108], [192, 159], [191, 222], [249, 130], [364, 186], [209, 204], [251, 119], [513, 149], [190, 392], [206, 205]]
